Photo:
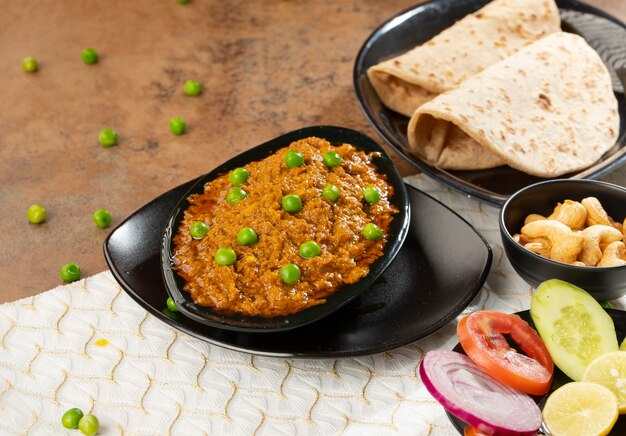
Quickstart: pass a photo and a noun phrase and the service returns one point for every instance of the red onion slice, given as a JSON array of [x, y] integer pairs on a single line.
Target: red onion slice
[[475, 397]]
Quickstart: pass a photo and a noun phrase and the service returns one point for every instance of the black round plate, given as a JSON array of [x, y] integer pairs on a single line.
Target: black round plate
[[397, 233], [619, 319], [605, 33], [440, 268]]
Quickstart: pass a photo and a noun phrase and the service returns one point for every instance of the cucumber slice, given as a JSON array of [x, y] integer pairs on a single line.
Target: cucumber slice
[[573, 325]]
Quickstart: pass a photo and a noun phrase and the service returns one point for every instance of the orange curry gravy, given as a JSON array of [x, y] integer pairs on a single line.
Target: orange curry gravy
[[252, 286]]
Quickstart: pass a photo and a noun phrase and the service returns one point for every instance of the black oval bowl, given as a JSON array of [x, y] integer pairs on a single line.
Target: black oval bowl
[[397, 234], [602, 283]]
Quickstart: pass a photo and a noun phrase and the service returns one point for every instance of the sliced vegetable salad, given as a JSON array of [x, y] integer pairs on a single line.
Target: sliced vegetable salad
[[507, 360]]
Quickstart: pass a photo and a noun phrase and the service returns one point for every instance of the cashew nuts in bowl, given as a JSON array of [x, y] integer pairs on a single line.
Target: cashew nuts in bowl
[[576, 233], [559, 228]]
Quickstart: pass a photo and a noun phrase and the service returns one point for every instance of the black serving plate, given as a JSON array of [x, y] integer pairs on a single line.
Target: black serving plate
[[395, 236], [619, 319], [605, 33], [441, 266]]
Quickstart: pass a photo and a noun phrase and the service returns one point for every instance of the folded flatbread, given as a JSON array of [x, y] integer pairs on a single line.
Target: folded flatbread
[[469, 46], [547, 110]]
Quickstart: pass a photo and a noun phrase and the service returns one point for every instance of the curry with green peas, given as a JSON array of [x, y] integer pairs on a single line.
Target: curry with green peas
[[265, 257]]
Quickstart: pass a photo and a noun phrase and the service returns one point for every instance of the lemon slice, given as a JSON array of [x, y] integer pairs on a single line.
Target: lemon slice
[[580, 408], [609, 370]]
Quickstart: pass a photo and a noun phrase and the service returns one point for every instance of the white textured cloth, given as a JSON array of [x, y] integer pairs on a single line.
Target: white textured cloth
[[151, 379]]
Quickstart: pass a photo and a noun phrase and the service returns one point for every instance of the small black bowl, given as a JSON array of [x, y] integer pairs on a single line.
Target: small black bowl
[[397, 233], [605, 283]]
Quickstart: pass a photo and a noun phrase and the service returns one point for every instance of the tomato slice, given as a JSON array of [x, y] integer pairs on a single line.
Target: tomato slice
[[482, 336]]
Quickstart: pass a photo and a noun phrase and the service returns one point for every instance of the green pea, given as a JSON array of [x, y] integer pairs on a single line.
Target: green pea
[[331, 192], [90, 56], [36, 214], [238, 176], [171, 314], [372, 231], [292, 203], [192, 88], [89, 425], [289, 274], [371, 194], [107, 137], [171, 305], [309, 249], [332, 159], [235, 195], [178, 125], [182, 2], [29, 64], [71, 417], [102, 218], [293, 159], [247, 236], [198, 230], [70, 272], [225, 256]]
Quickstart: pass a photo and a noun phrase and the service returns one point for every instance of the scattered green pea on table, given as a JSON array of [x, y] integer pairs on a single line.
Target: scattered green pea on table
[[90, 56], [71, 418], [107, 137], [70, 272], [192, 88], [171, 305], [29, 64], [178, 125], [36, 214], [89, 425], [102, 218]]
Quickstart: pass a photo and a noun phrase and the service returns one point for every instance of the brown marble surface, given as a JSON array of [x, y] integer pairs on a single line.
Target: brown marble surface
[[267, 67]]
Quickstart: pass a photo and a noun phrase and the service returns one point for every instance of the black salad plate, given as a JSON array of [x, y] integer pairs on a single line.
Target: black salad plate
[[395, 236], [605, 33], [619, 319], [440, 268]]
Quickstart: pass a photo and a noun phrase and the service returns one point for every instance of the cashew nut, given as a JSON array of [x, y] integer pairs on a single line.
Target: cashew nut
[[594, 237], [578, 263], [533, 217], [597, 215], [540, 246], [614, 255], [571, 213], [564, 244]]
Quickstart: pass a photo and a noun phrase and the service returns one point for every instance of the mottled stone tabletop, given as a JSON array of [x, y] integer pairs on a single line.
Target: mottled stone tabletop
[[268, 67]]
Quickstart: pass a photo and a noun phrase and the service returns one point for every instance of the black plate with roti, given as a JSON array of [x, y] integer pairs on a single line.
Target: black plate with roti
[[417, 25]]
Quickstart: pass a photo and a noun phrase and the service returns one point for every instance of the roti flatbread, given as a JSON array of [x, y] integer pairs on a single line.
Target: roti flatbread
[[547, 110], [472, 44]]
